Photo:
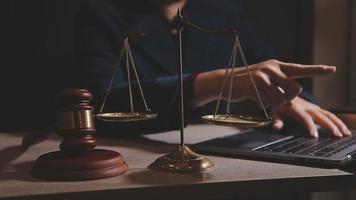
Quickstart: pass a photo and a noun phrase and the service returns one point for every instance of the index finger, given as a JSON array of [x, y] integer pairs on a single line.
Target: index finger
[[293, 70]]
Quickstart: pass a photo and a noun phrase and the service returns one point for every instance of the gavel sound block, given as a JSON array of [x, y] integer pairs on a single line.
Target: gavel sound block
[[77, 159]]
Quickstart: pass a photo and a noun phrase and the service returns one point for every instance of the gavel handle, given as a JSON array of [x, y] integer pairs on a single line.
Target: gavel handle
[[38, 136]]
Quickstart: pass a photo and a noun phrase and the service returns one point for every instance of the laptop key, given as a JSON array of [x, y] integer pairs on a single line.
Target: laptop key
[[290, 144], [336, 146], [302, 146], [322, 142]]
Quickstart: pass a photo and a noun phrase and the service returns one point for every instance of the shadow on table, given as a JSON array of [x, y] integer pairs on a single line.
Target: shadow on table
[[10, 154], [121, 141], [349, 168], [18, 171], [151, 177], [137, 142]]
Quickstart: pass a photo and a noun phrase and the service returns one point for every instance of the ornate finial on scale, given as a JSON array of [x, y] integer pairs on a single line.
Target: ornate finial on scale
[[77, 159], [183, 159]]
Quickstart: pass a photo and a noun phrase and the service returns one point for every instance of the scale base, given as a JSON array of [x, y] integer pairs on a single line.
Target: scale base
[[182, 160], [98, 164]]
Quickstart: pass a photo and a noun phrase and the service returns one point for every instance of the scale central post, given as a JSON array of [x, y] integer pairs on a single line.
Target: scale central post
[[183, 159], [181, 87]]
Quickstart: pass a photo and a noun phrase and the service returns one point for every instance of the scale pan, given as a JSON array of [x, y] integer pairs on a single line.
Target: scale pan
[[239, 121], [125, 116]]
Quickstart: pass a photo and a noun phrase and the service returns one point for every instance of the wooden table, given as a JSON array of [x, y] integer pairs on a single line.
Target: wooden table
[[232, 178]]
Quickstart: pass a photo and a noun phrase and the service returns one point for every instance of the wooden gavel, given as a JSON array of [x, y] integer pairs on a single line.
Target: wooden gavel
[[75, 121], [77, 159]]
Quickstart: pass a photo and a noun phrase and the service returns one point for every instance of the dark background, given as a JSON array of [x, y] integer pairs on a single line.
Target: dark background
[[37, 39]]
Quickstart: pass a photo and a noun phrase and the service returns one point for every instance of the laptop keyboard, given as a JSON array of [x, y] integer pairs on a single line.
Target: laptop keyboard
[[323, 146]]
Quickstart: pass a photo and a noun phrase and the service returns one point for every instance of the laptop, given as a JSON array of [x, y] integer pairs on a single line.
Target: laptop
[[291, 146]]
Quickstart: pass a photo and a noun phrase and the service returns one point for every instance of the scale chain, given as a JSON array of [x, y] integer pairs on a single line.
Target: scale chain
[[112, 80], [129, 61], [137, 78], [250, 76], [224, 80], [129, 77], [231, 79]]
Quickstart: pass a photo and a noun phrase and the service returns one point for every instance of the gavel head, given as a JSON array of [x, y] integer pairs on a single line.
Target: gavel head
[[74, 111], [75, 121]]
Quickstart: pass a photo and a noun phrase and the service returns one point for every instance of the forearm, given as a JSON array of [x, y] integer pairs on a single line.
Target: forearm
[[206, 88]]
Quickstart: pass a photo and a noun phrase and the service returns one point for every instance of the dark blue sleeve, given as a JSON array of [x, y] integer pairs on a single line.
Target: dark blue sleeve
[[99, 36]]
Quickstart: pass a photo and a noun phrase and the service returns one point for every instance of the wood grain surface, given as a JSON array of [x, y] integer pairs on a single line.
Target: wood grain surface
[[232, 178]]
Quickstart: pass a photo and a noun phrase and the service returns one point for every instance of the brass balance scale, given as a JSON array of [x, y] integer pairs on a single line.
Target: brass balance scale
[[183, 159]]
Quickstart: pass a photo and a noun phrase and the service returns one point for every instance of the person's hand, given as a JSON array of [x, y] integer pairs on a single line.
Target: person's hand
[[308, 115], [274, 80]]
